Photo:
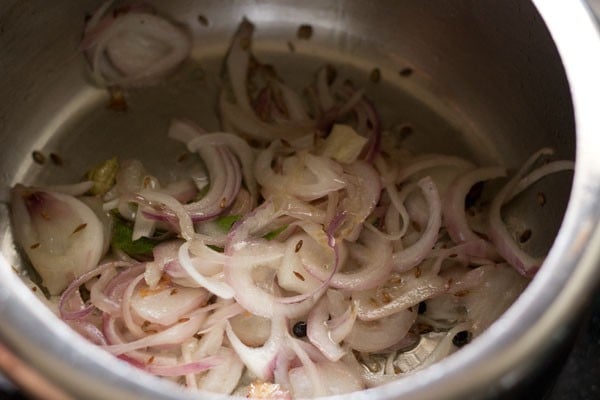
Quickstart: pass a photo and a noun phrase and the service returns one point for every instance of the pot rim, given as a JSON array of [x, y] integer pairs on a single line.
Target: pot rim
[[564, 283]]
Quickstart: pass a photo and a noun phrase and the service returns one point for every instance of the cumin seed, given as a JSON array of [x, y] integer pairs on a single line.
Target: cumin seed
[[56, 159], [299, 276], [38, 157], [79, 228], [304, 32]]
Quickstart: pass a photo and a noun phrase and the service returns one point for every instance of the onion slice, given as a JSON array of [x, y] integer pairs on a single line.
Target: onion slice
[[409, 257], [454, 206], [499, 235], [62, 237], [133, 48]]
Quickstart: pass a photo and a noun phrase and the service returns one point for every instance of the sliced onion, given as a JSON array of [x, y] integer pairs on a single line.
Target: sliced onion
[[165, 306], [363, 189], [74, 287], [399, 293], [293, 104], [428, 161], [313, 176], [454, 206], [224, 377], [373, 336], [499, 235], [62, 237], [183, 369], [340, 379], [411, 256], [172, 335], [260, 360], [89, 331], [213, 285], [164, 202], [134, 48], [318, 333], [376, 263], [291, 275], [324, 94], [195, 139], [238, 274]]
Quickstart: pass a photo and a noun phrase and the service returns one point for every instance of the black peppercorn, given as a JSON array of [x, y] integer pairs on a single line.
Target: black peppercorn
[[461, 338], [299, 329]]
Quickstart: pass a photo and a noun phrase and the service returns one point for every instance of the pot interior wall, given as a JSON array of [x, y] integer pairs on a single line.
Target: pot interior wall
[[475, 78]]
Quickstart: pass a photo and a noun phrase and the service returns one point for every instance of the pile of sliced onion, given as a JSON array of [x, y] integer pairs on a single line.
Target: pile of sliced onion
[[337, 253]]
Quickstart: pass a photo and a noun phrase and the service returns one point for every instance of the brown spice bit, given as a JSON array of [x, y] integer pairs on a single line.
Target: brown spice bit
[[417, 272], [525, 236], [203, 20], [291, 47], [461, 293], [116, 102], [182, 320], [165, 280], [79, 228], [34, 289], [145, 325], [173, 292], [150, 360], [406, 72], [298, 246], [197, 335], [304, 32], [38, 157], [56, 159], [420, 328], [35, 245], [223, 202], [146, 291], [182, 157], [375, 75], [541, 198], [373, 301], [387, 298], [299, 276]]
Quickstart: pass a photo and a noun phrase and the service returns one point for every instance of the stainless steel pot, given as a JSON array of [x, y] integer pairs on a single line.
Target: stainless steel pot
[[488, 79]]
